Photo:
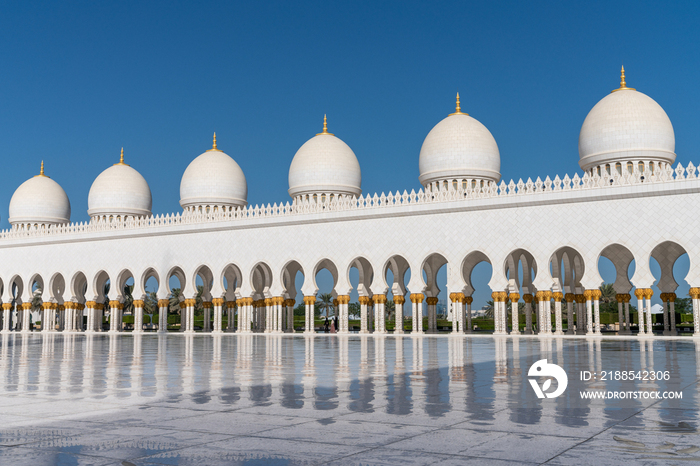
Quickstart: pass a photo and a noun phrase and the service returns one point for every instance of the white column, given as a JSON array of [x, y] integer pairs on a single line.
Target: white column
[[417, 313], [628, 329], [218, 304], [68, 320], [648, 293], [528, 313], [515, 318], [309, 301], [90, 305], [114, 317], [269, 320], [469, 300], [639, 293], [6, 317], [558, 296], [364, 302], [163, 305], [138, 316], [695, 296], [596, 309], [206, 322], [398, 306], [621, 322], [589, 311]]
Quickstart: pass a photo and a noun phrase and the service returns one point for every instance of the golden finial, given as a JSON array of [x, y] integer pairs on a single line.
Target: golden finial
[[623, 84], [121, 159], [214, 145], [458, 110], [325, 127], [41, 170]]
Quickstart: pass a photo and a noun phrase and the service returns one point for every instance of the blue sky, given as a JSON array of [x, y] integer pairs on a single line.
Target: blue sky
[[80, 80]]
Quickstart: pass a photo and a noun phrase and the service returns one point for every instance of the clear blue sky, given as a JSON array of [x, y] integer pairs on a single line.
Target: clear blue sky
[[80, 80]]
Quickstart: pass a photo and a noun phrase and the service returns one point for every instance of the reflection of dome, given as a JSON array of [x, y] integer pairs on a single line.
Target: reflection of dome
[[626, 126], [459, 148], [39, 201], [213, 180], [324, 164], [119, 190]]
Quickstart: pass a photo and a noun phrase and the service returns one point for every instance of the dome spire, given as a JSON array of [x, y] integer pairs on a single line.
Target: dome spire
[[458, 110], [121, 159], [41, 170], [325, 127], [213, 146], [623, 84]]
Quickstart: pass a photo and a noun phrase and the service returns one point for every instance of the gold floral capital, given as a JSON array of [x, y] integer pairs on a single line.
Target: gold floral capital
[[417, 297], [431, 301], [399, 300], [558, 296]]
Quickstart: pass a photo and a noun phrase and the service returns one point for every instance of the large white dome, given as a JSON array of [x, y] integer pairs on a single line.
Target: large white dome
[[324, 164], [459, 148], [39, 200], [119, 190], [626, 126], [213, 179]]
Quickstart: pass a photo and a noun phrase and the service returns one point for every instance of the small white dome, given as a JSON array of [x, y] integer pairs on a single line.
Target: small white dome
[[213, 179], [461, 148], [626, 126], [325, 164], [119, 190], [39, 200]]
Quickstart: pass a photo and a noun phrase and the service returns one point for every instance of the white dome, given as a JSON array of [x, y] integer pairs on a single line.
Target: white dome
[[213, 179], [39, 200], [119, 190], [459, 147], [626, 126], [325, 164]]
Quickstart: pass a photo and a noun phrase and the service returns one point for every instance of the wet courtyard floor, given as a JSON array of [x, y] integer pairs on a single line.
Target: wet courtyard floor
[[328, 399]]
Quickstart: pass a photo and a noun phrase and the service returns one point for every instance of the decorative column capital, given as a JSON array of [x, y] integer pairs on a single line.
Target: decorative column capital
[[379, 299], [291, 302], [417, 297], [309, 299], [514, 297], [114, 304], [569, 297], [547, 295], [232, 304], [366, 300], [267, 301], [26, 306], [454, 297], [207, 304], [580, 298], [671, 297], [399, 300], [528, 298], [540, 296], [648, 293], [431, 301], [468, 299], [588, 294], [47, 306], [7, 306], [190, 302], [217, 301], [694, 293], [163, 302], [61, 307], [343, 299], [138, 303], [558, 296]]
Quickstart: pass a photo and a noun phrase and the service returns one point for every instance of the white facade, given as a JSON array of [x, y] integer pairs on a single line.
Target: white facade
[[250, 254]]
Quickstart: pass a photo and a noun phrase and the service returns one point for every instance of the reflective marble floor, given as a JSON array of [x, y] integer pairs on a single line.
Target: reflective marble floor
[[230, 399]]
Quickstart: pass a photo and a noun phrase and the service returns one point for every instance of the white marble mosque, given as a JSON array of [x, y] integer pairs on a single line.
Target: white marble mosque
[[541, 238]]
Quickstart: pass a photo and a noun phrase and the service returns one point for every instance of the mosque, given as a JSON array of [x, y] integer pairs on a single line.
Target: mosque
[[542, 238]]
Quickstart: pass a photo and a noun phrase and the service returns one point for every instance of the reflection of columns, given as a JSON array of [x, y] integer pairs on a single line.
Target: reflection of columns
[[206, 322], [398, 311], [309, 302], [138, 316], [588, 295], [596, 309], [528, 313], [469, 300], [289, 303], [379, 313], [457, 314], [6, 317], [694, 295], [558, 296], [417, 312], [26, 312], [163, 305], [364, 302], [432, 313], [648, 293], [569, 297], [515, 318], [639, 293]]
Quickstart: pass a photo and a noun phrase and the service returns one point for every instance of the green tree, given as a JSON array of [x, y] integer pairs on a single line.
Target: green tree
[[354, 309], [128, 298], [300, 310], [608, 294], [150, 304], [683, 305], [325, 303], [174, 306], [390, 309]]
